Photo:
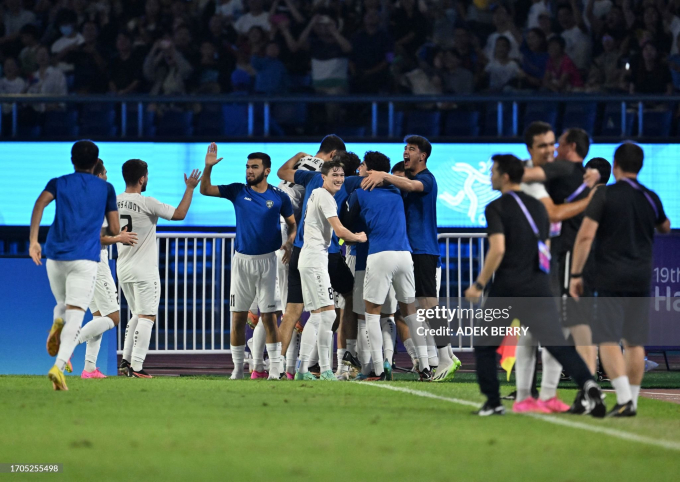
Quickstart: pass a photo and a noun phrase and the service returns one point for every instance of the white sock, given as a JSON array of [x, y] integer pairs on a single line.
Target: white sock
[[525, 363], [453, 357], [292, 352], [325, 340], [129, 337], [363, 352], [389, 334], [418, 340], [91, 353], [59, 311], [73, 319], [444, 357], [635, 393], [623, 392], [552, 371], [340, 353], [308, 341], [95, 328], [314, 357], [375, 342], [352, 347], [257, 350], [410, 348], [433, 357], [238, 354], [274, 352], [141, 346]]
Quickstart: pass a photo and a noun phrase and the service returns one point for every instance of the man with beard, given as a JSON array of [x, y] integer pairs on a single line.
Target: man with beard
[[138, 264], [258, 207]]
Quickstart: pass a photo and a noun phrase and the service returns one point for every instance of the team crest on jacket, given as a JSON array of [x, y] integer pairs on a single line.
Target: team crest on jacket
[[270, 204]]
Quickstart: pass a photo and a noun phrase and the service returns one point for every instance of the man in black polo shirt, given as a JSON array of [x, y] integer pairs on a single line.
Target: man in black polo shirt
[[517, 225], [621, 219]]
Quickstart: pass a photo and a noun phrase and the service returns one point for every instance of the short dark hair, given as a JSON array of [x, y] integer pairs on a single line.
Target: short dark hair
[[398, 167], [134, 170], [510, 165], [629, 157], [422, 144], [66, 16], [332, 143], [349, 160], [98, 168], [30, 29], [536, 128], [266, 160], [503, 37], [564, 6], [330, 165], [559, 40], [84, 155], [581, 139], [603, 166], [377, 161]]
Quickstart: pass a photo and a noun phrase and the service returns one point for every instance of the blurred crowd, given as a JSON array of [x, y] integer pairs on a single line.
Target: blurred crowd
[[339, 46]]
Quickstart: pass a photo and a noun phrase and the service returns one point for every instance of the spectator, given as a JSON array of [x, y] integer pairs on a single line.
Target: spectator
[[467, 48], [229, 8], [606, 73], [444, 17], [534, 51], [256, 17], [166, 69], [504, 28], [409, 28], [153, 24], [11, 83], [561, 75], [47, 80], [271, 75], [212, 74], [27, 56], [285, 33], [502, 70], [649, 74], [185, 45], [221, 34], [125, 73], [70, 39], [372, 49], [650, 28], [545, 24], [14, 19], [674, 64], [455, 79], [89, 63], [613, 24], [578, 46], [538, 7]]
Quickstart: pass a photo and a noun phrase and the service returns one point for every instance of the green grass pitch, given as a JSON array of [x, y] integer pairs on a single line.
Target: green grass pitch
[[211, 428]]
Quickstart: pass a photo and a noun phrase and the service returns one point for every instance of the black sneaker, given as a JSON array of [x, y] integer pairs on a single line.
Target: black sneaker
[[564, 377], [124, 365], [377, 378], [593, 400], [351, 361], [578, 407], [425, 375], [602, 377], [510, 396], [140, 374], [625, 410], [488, 409], [315, 370]]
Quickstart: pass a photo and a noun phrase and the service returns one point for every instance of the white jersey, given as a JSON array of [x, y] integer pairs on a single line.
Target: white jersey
[[320, 206], [104, 226], [534, 189], [140, 214], [296, 192]]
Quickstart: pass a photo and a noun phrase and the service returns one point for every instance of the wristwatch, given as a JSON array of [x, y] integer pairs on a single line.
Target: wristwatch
[[479, 286]]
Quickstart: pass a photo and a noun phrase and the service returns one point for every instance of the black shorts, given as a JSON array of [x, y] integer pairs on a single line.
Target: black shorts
[[294, 283], [571, 312], [621, 316], [425, 274], [342, 280]]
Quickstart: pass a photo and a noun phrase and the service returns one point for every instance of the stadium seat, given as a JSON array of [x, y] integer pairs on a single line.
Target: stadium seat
[[98, 120], [462, 123], [148, 127], [235, 120], [423, 122], [210, 121], [61, 123], [611, 121], [491, 120], [657, 123], [350, 131], [580, 114], [175, 123], [539, 111], [289, 114]]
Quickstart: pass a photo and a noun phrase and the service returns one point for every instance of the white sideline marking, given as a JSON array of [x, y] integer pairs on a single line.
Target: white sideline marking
[[666, 444]]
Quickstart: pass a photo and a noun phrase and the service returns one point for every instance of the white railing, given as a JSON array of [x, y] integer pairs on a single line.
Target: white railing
[[186, 312]]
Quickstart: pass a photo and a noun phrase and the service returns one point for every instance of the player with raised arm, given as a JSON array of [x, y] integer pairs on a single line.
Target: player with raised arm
[[72, 248], [138, 265], [321, 220], [258, 207]]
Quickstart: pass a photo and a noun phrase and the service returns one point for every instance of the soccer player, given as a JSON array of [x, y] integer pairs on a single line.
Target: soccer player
[[138, 265], [518, 229], [389, 262], [420, 201], [621, 219], [258, 206], [72, 248], [321, 220], [104, 307]]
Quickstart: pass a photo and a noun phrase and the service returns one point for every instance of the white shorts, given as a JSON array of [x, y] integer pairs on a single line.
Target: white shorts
[[253, 279], [359, 307], [386, 269], [105, 293], [281, 285], [351, 261], [316, 288], [72, 282], [143, 297]]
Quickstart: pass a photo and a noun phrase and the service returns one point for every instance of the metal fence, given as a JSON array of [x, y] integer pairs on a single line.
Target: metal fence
[[194, 317]]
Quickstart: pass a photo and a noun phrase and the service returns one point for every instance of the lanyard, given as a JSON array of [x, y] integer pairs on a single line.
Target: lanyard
[[578, 191], [649, 198], [526, 213]]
